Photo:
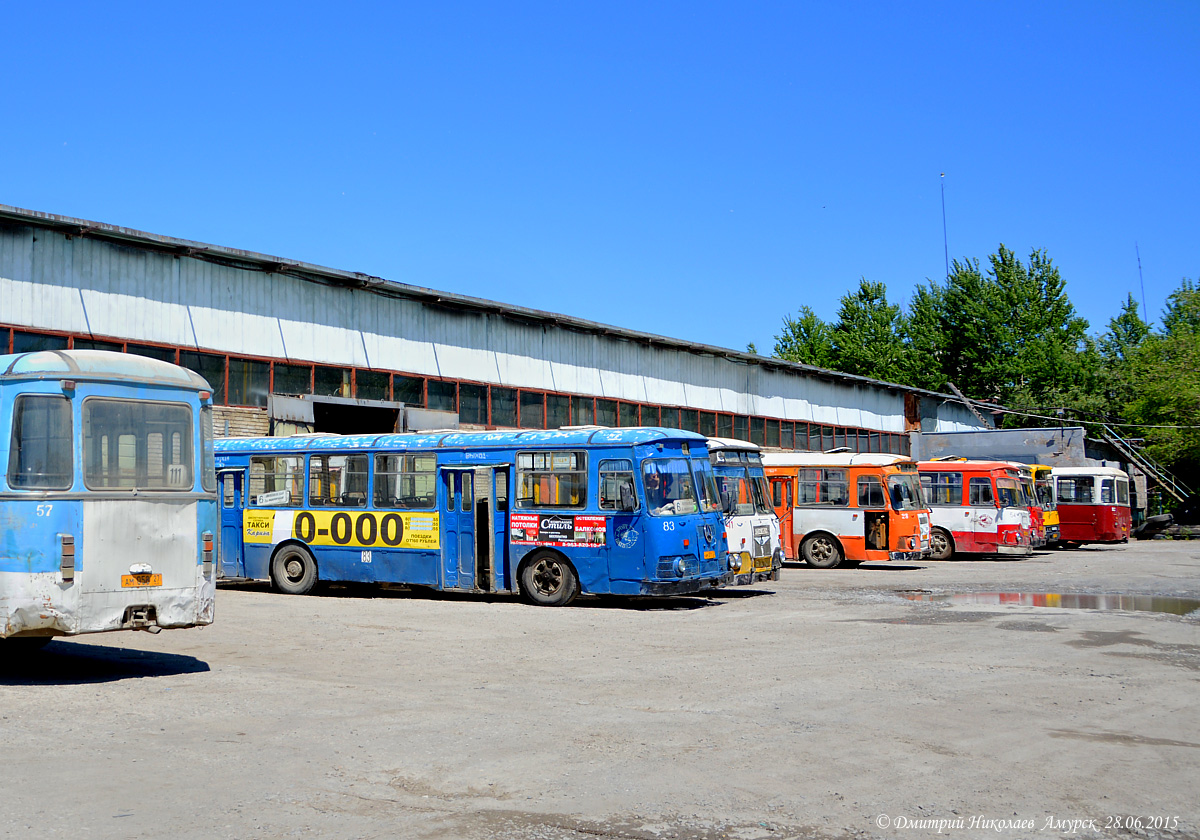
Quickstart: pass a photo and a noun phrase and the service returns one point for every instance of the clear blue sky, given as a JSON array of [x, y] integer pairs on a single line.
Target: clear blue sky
[[691, 169]]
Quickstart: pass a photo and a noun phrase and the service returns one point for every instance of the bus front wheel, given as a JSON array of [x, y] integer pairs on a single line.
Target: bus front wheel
[[941, 545], [548, 580], [821, 551], [293, 570]]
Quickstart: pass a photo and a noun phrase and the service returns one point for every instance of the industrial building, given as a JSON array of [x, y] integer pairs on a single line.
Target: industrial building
[[289, 346]]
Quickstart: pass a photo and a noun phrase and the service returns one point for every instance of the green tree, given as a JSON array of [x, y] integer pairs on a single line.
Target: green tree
[[805, 339], [924, 340], [1126, 332], [867, 337], [1183, 309]]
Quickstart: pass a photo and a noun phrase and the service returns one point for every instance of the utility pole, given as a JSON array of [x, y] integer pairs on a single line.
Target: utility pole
[[945, 240]]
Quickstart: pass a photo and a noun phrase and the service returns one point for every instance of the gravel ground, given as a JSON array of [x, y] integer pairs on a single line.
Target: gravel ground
[[826, 705]]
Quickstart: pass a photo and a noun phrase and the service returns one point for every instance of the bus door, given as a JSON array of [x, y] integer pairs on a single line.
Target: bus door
[[484, 573], [498, 564], [781, 500], [458, 527], [232, 496]]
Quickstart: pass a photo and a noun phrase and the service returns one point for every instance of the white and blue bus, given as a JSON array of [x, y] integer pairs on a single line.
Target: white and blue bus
[[546, 514], [108, 503]]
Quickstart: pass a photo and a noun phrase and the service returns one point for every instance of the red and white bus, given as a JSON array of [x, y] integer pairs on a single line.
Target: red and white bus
[[976, 507], [1093, 505], [1037, 522]]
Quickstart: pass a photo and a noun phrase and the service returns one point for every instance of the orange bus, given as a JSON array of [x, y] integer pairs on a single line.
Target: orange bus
[[842, 509]]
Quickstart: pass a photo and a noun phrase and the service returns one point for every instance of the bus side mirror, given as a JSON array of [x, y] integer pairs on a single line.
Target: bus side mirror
[[627, 500]]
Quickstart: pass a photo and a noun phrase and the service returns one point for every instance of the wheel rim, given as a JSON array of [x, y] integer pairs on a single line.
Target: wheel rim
[[293, 569], [939, 543], [821, 550], [548, 576]]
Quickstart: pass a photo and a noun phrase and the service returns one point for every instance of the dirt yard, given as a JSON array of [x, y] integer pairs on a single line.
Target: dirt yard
[[824, 706]]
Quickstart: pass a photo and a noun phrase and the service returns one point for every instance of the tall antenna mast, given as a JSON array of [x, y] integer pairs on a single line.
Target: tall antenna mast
[[1145, 315], [945, 241]]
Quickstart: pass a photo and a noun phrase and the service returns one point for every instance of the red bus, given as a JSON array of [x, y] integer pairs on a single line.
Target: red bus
[[1093, 505]]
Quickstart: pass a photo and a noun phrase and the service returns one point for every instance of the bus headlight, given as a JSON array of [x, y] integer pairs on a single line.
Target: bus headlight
[[735, 562], [680, 566]]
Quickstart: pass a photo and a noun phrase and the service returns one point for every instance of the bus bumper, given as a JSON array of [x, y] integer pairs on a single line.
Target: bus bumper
[[915, 554], [1052, 534], [1018, 550], [686, 587]]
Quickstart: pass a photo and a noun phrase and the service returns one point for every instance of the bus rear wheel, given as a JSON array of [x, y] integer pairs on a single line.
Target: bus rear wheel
[[548, 580], [821, 551], [941, 545], [293, 570]]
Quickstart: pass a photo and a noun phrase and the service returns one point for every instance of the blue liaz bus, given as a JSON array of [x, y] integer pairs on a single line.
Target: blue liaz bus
[[547, 514], [108, 503]]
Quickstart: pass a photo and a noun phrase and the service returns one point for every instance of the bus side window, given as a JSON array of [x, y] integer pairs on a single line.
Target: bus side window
[[501, 491], [468, 491], [616, 483], [870, 492], [981, 492], [1106, 491]]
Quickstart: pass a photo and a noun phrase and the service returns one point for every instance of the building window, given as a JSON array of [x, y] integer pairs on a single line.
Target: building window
[[96, 344], [331, 382], [472, 404], [533, 410], [741, 427], [371, 385], [583, 411], [670, 418], [606, 412], [558, 410], [504, 407], [689, 420], [249, 382], [725, 425], [163, 354], [409, 390], [442, 395], [292, 379], [708, 424], [629, 414], [786, 438], [211, 367], [756, 431], [24, 342]]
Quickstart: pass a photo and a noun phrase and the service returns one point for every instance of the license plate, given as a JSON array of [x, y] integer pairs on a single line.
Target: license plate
[[134, 581]]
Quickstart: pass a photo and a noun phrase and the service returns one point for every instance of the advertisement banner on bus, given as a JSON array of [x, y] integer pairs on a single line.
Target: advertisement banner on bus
[[557, 529], [355, 529]]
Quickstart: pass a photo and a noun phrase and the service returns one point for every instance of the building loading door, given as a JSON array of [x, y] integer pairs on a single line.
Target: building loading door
[[232, 498], [458, 527]]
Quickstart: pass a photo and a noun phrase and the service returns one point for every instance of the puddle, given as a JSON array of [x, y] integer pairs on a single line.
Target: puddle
[[1127, 603]]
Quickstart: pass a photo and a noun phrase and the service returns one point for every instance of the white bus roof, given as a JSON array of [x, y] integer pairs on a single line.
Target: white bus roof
[[715, 443], [832, 459], [1106, 472]]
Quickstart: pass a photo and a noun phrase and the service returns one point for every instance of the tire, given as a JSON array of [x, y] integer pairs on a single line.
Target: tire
[[821, 551], [941, 544], [1068, 545], [548, 580], [293, 570]]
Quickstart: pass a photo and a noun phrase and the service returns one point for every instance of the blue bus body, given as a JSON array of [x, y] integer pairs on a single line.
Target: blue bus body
[[476, 511], [108, 507]]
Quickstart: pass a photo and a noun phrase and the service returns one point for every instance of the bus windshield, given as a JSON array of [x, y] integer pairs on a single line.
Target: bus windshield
[[1008, 492], [706, 486], [905, 492], [1028, 492], [669, 490], [741, 493], [1045, 495]]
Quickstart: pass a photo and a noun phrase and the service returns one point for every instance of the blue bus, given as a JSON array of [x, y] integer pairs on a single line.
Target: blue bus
[[108, 502], [546, 514]]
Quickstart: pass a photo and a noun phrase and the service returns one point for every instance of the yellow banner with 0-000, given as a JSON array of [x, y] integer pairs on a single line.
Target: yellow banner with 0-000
[[353, 529]]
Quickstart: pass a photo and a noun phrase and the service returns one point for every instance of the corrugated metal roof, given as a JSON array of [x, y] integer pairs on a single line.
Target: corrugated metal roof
[[250, 260]]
